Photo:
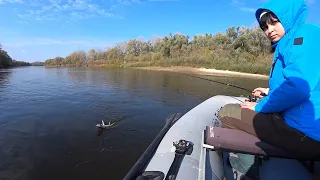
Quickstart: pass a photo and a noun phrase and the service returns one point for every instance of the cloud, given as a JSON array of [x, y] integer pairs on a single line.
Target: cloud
[[22, 22], [123, 2], [240, 4], [11, 1], [50, 41], [247, 9], [42, 10], [237, 3]]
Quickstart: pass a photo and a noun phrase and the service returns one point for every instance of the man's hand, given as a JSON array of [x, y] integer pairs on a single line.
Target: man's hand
[[258, 91], [248, 105]]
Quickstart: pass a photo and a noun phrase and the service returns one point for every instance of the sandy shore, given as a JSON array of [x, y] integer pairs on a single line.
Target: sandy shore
[[204, 71]]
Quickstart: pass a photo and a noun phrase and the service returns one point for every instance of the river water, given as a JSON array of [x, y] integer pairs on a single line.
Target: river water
[[48, 117]]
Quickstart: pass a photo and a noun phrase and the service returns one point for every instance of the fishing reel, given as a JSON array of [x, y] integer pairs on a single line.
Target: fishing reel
[[255, 98], [252, 99], [183, 147]]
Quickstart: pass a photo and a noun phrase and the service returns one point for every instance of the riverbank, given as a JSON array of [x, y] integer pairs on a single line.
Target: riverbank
[[205, 71], [183, 69]]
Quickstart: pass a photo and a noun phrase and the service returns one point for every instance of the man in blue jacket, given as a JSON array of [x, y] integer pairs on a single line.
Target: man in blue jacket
[[289, 116]]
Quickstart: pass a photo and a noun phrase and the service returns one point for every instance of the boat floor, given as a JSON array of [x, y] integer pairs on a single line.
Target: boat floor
[[275, 169]]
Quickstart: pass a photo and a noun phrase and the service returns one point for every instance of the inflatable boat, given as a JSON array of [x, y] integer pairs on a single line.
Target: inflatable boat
[[193, 146]]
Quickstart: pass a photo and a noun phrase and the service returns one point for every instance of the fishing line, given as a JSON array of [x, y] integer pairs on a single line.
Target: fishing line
[[250, 98], [227, 84]]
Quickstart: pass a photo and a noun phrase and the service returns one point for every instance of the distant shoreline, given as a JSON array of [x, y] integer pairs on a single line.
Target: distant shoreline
[[188, 69], [204, 71]]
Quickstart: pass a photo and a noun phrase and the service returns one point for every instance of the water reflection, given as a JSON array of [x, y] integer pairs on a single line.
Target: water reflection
[[154, 82], [5, 75], [48, 120]]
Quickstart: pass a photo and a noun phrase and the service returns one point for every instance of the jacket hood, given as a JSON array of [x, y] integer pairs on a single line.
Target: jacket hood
[[291, 13]]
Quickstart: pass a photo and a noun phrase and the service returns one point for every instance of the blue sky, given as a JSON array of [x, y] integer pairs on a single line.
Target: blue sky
[[35, 30]]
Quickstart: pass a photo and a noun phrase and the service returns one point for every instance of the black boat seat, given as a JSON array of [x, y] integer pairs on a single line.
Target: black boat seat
[[231, 140]]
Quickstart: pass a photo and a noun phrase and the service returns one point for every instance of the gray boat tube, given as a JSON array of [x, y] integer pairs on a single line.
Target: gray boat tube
[[140, 166], [201, 163]]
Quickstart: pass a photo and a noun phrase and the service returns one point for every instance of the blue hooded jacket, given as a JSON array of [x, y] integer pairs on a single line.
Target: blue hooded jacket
[[295, 73]]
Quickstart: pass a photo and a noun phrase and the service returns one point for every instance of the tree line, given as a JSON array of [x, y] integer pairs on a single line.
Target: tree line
[[6, 61], [244, 49]]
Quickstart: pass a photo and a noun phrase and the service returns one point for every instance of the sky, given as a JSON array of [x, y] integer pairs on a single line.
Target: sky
[[36, 30]]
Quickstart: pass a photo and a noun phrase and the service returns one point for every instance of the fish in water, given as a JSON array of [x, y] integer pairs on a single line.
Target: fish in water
[[103, 125]]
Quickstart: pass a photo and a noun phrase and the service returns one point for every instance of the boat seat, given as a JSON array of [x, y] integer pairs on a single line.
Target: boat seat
[[231, 140]]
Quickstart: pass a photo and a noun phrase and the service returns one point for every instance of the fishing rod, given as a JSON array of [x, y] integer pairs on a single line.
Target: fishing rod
[[227, 84], [251, 99]]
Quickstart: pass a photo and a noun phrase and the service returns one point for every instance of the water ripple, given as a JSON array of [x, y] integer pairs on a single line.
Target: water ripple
[[48, 118]]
